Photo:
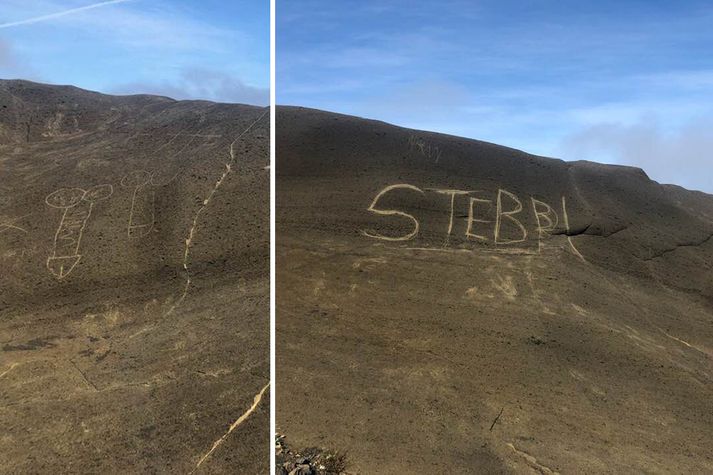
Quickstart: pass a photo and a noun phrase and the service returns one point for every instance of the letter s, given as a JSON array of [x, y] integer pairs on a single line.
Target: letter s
[[391, 212]]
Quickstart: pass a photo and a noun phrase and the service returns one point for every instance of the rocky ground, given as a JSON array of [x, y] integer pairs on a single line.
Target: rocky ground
[[310, 461]]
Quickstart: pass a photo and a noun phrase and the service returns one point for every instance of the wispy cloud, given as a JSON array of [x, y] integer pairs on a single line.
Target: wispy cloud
[[7, 58], [14, 66], [138, 46], [682, 156], [574, 81], [437, 100], [52, 16], [199, 83], [150, 28]]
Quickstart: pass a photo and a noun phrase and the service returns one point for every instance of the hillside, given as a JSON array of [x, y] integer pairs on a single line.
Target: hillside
[[134, 297], [448, 305]]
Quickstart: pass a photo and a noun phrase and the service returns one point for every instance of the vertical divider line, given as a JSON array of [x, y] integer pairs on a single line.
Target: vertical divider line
[[273, 163]]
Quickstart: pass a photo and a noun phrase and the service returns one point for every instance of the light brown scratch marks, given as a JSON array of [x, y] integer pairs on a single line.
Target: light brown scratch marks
[[76, 205], [142, 214], [532, 461], [194, 228], [233, 426], [440, 249], [10, 225], [166, 144], [84, 376], [505, 285], [194, 225], [12, 366], [693, 347], [566, 225]]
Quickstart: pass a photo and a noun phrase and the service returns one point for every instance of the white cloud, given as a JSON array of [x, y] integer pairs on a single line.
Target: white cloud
[[12, 66], [148, 43], [683, 156], [434, 99], [689, 80], [198, 83], [7, 57]]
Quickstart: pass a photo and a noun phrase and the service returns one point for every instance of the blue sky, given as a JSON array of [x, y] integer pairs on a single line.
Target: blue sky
[[208, 49], [627, 82]]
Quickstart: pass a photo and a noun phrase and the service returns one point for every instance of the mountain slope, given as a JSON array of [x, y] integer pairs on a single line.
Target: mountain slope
[[134, 298], [448, 306]]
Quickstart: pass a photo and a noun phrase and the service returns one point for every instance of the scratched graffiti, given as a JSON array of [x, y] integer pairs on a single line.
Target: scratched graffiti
[[13, 246], [76, 205], [500, 218], [424, 148], [142, 213]]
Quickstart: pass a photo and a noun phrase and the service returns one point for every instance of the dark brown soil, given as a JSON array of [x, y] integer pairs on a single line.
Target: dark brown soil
[[111, 359], [582, 345]]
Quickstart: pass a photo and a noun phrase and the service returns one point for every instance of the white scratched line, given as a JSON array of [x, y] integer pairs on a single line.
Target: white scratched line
[[194, 226], [12, 366], [240, 420]]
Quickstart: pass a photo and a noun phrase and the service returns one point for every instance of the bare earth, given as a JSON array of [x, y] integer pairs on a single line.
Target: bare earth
[[134, 296], [452, 306]]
